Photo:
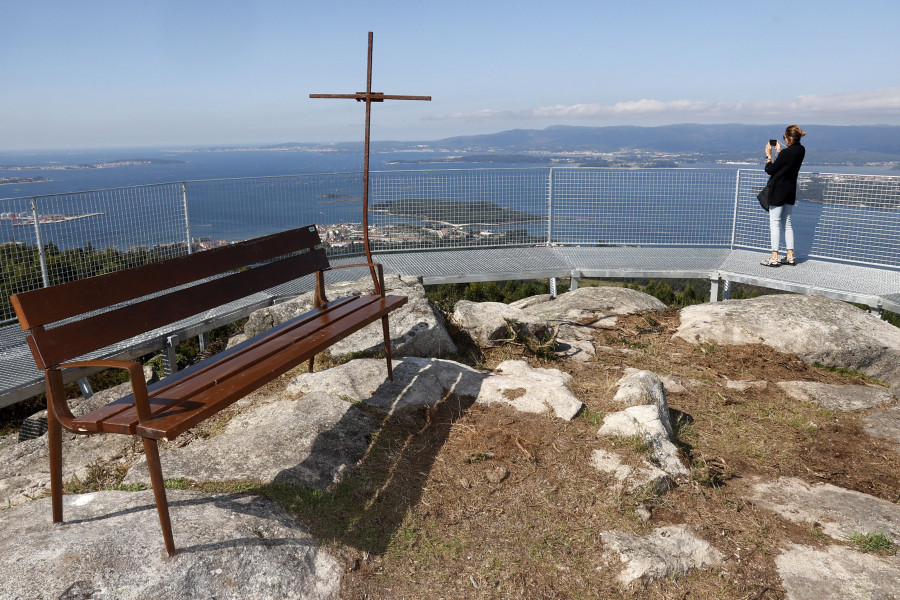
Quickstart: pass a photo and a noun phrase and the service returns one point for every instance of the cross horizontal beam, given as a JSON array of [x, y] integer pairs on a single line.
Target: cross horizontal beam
[[371, 96]]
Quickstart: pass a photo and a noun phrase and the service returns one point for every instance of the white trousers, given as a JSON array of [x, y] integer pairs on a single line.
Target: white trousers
[[780, 218]]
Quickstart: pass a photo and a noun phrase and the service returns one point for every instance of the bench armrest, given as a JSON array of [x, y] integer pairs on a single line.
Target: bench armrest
[[138, 384], [379, 283]]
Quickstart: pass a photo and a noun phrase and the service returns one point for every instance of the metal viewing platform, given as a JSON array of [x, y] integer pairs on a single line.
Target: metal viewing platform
[[458, 226]]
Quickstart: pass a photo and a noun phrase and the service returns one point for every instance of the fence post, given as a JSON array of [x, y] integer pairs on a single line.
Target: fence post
[[170, 357], [187, 221], [550, 207], [550, 224], [42, 257], [737, 187]]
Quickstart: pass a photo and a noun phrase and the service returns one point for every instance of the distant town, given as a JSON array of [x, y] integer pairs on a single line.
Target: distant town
[[130, 162], [349, 236]]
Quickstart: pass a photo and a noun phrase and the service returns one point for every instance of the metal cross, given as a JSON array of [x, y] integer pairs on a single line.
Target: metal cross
[[368, 97]]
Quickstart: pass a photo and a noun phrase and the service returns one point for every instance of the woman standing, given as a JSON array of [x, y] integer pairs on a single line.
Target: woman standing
[[783, 174]]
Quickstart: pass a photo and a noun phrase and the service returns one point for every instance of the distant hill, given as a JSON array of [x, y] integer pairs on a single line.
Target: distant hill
[[686, 138], [826, 144]]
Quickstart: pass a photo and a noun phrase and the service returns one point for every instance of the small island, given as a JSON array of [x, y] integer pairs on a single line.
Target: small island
[[130, 162], [15, 180], [455, 213]]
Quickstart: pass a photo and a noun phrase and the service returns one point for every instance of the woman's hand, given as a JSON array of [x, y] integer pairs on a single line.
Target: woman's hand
[[768, 151]]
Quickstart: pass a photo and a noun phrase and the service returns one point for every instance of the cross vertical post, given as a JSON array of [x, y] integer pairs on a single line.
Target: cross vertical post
[[369, 97]]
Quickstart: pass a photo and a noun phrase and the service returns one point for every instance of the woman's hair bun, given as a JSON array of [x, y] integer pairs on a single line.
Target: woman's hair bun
[[794, 132]]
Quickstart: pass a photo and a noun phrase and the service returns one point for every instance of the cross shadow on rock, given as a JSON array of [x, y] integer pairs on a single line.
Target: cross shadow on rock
[[415, 412]]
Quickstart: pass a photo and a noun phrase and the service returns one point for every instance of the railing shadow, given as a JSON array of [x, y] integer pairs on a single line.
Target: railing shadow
[[807, 225]]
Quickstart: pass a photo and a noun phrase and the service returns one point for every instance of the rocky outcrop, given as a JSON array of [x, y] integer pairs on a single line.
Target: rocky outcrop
[[24, 467], [885, 423], [424, 382], [313, 433], [665, 552], [491, 323], [573, 317], [837, 573], [311, 441], [631, 478], [742, 385], [843, 398], [417, 382], [530, 389], [646, 416], [590, 306], [111, 547], [577, 314], [417, 328], [839, 512], [671, 384], [815, 328]]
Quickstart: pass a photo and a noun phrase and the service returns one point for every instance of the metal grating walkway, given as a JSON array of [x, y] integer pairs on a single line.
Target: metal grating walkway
[[873, 286]]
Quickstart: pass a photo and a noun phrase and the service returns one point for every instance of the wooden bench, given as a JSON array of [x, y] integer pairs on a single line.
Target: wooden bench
[[68, 321]]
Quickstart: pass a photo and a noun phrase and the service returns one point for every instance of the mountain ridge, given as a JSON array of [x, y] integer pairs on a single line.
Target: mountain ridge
[[690, 142], [685, 137]]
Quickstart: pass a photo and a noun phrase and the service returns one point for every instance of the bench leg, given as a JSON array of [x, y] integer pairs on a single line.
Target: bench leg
[[151, 451], [311, 363], [387, 346], [54, 439]]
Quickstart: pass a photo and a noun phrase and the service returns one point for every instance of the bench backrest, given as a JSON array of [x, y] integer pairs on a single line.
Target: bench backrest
[[157, 294]]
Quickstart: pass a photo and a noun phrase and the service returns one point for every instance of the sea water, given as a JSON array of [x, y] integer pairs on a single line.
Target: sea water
[[644, 207]]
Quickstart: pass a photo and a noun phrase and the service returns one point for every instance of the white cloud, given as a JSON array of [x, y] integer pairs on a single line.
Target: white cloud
[[881, 105], [484, 113]]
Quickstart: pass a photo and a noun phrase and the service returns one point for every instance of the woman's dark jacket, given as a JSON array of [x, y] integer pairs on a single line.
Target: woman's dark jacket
[[783, 171]]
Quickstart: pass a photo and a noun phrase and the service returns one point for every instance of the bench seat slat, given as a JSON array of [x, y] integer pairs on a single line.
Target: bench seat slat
[[212, 400], [217, 382], [160, 392], [185, 415], [217, 372]]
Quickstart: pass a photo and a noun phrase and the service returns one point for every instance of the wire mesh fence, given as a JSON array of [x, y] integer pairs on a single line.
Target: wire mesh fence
[[47, 240], [413, 210], [229, 210], [854, 218], [663, 207]]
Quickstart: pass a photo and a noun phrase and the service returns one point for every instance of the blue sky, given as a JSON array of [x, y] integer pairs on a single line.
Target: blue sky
[[184, 73]]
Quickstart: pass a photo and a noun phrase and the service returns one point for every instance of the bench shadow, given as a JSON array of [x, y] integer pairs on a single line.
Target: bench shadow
[[367, 507], [251, 505]]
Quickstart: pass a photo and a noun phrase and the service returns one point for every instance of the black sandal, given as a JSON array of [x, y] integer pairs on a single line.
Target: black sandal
[[788, 261]]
